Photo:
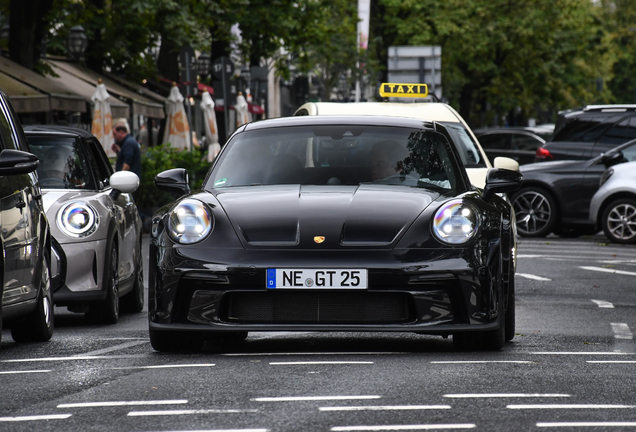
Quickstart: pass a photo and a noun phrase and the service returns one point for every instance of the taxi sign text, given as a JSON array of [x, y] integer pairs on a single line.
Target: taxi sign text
[[403, 90]]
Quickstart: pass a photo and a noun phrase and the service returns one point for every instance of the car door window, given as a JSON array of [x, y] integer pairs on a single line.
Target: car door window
[[104, 169], [619, 133], [6, 132], [495, 142], [525, 142]]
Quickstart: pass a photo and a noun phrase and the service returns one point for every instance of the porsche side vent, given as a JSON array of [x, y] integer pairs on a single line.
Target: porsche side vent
[[325, 307]]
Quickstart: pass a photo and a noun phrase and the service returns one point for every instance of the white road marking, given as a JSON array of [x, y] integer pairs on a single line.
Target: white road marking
[[36, 417], [123, 403], [607, 270], [603, 304], [189, 412], [618, 261], [25, 371], [114, 348], [621, 331], [311, 354], [225, 430], [403, 427], [581, 353], [45, 359], [533, 277], [483, 361], [506, 395], [585, 424], [168, 366], [570, 406], [311, 398], [385, 408], [321, 363]]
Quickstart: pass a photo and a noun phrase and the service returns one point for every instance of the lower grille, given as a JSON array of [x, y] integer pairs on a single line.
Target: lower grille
[[325, 307]]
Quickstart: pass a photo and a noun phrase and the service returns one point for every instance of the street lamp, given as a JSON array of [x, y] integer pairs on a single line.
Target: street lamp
[[203, 65], [76, 42]]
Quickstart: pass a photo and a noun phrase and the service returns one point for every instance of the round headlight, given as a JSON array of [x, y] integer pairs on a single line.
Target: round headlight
[[189, 222], [77, 219], [455, 222]]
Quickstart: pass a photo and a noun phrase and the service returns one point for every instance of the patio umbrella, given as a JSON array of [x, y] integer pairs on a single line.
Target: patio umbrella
[[177, 127], [211, 130], [241, 108], [102, 126]]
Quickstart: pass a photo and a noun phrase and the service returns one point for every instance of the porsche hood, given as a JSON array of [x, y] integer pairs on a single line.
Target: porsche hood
[[308, 216]]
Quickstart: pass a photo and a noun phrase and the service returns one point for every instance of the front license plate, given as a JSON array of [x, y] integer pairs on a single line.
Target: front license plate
[[317, 278]]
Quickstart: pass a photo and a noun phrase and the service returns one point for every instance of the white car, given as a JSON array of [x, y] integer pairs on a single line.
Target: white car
[[613, 206], [473, 156]]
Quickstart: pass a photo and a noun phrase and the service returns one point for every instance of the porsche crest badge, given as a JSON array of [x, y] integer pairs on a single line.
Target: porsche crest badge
[[319, 239]]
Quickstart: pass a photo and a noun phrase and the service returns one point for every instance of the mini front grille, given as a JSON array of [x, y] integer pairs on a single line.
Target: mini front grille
[[325, 307]]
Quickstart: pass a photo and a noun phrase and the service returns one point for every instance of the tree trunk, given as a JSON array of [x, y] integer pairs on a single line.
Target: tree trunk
[[466, 102], [26, 30], [168, 62]]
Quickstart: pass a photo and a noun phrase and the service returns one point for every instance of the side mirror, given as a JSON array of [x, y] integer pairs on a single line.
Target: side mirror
[[612, 158], [506, 163], [500, 181], [124, 182], [173, 180], [14, 162]]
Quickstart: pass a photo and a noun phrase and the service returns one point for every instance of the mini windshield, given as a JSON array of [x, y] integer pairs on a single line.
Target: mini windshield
[[337, 155], [62, 163]]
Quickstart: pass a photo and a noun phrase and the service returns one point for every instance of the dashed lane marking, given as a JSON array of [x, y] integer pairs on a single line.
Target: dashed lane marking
[[571, 406], [35, 417], [25, 371], [190, 412], [585, 424], [603, 304], [114, 348], [507, 395], [321, 363], [608, 270], [311, 398], [621, 331], [123, 403], [385, 408], [483, 361], [168, 366], [310, 354], [533, 277], [404, 427], [83, 357]]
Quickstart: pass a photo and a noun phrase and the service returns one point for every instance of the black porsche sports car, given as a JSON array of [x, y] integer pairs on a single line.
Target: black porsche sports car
[[334, 224]]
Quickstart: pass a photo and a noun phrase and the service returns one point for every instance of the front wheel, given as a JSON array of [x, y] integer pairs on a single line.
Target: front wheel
[[619, 221], [38, 325], [134, 301], [107, 311], [536, 212]]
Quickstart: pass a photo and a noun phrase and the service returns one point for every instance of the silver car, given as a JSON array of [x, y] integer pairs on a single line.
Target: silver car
[[613, 206], [94, 221]]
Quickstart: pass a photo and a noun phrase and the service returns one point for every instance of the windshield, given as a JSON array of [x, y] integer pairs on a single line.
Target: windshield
[[337, 155], [62, 163]]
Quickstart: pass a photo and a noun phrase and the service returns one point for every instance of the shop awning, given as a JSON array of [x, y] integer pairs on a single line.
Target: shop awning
[[141, 105], [24, 99], [86, 90], [61, 96]]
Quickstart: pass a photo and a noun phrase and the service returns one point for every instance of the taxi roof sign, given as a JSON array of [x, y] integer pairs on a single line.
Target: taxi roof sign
[[403, 90]]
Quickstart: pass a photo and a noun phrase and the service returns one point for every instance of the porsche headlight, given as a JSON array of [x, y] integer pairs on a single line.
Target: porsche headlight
[[455, 222], [77, 219], [189, 222]]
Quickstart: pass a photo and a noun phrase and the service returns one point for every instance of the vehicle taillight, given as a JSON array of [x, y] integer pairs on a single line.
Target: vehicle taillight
[[542, 154]]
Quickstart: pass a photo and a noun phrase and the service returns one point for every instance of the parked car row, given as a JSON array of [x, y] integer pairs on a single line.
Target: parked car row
[[70, 231]]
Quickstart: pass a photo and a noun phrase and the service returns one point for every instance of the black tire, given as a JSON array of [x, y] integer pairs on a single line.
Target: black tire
[[134, 300], [107, 311], [536, 212], [171, 341], [510, 308], [619, 221], [37, 326]]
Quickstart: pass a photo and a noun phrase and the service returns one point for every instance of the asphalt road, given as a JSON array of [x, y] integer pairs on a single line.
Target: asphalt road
[[571, 367]]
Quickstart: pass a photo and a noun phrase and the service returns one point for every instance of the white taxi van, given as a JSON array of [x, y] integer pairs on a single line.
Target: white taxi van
[[473, 156]]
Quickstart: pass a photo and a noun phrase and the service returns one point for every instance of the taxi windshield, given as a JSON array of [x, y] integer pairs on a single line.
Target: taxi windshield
[[62, 163], [338, 155]]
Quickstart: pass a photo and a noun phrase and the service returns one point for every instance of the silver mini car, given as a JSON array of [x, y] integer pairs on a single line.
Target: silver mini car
[[94, 221]]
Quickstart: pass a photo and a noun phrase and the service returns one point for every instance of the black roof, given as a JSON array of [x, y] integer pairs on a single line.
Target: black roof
[[29, 130]]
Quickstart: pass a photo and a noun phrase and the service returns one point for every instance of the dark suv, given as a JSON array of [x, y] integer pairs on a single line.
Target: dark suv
[[25, 241], [584, 133]]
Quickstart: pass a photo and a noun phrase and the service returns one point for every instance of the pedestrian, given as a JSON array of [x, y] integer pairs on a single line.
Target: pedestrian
[[127, 149]]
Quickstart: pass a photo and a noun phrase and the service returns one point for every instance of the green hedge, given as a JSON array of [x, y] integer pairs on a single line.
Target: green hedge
[[160, 158]]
